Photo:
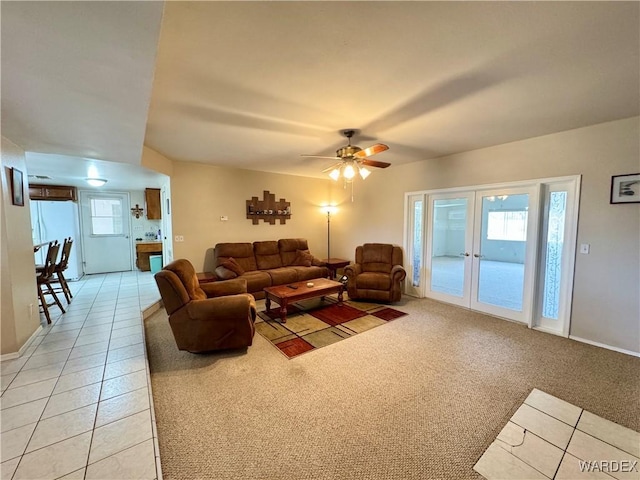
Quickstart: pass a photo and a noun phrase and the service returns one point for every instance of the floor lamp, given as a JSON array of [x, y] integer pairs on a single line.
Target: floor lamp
[[329, 209]]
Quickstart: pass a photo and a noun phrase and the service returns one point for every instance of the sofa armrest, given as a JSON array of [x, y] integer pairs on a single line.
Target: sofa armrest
[[221, 309], [316, 262], [398, 273], [353, 271], [224, 287]]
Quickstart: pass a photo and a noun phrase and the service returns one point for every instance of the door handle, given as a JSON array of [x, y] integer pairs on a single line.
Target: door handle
[[465, 254], [477, 255]]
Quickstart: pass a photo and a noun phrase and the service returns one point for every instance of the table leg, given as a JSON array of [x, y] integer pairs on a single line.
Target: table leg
[[332, 273], [283, 311], [267, 303], [340, 295]]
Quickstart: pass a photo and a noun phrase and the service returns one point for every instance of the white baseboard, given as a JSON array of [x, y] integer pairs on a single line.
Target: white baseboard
[[151, 309], [18, 354], [604, 345]]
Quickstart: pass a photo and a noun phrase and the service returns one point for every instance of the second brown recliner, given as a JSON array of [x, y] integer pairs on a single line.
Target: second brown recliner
[[212, 316], [377, 273]]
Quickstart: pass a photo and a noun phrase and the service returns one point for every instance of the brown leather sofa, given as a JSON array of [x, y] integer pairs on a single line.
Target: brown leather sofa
[[270, 263], [377, 273], [212, 316]]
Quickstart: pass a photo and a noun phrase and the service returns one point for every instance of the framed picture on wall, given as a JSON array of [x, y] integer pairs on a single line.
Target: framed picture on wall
[[17, 187], [625, 188]]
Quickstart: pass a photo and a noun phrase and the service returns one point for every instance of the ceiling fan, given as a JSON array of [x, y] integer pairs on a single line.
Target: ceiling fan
[[353, 160]]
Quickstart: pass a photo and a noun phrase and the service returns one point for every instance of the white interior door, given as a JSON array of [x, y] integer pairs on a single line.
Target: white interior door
[[449, 260], [504, 252], [167, 231], [105, 232]]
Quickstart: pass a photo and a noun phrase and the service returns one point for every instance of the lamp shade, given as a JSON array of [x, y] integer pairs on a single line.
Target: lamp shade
[[364, 172], [329, 209]]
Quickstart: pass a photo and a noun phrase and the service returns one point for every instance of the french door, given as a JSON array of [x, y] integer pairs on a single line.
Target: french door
[[479, 248]]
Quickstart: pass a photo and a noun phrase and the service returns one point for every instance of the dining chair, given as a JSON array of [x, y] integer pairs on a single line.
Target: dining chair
[[59, 269], [43, 279]]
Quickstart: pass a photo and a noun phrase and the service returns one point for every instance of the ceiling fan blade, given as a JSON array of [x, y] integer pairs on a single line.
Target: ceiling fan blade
[[373, 163], [331, 167], [320, 156], [372, 150]]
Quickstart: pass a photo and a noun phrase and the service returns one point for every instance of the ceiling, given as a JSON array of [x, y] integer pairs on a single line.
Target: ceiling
[[255, 84]]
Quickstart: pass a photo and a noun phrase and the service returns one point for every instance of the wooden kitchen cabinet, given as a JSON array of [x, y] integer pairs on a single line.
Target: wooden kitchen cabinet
[[152, 199], [143, 250], [52, 192]]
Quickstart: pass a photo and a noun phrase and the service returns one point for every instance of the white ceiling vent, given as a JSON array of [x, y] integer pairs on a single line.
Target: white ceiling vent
[[40, 177]]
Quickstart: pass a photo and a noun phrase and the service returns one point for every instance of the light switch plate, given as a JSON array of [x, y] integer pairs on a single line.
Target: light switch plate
[[584, 248]]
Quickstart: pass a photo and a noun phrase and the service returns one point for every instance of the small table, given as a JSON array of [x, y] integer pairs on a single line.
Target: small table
[[333, 264], [294, 292], [206, 277]]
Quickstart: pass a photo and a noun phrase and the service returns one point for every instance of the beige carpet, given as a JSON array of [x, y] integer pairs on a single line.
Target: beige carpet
[[421, 398]]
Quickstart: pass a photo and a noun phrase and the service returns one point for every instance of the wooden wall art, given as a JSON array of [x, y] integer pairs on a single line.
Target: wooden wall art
[[268, 209]]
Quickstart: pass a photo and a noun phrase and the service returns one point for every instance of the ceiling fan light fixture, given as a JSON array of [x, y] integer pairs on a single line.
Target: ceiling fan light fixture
[[335, 174], [364, 172], [349, 172]]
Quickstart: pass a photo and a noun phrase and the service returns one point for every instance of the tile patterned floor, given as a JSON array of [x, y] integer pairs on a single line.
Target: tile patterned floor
[[77, 404], [548, 438]]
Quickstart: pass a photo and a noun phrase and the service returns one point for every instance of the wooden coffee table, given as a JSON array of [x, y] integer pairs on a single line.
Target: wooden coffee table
[[283, 295]]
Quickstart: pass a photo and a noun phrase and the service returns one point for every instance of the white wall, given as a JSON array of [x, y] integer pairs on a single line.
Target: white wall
[[18, 277], [201, 194], [606, 288]]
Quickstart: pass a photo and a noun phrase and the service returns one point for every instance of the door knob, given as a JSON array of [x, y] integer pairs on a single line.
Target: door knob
[[477, 255], [465, 254]]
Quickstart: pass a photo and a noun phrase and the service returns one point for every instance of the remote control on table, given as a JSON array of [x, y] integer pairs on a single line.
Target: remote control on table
[[293, 287]]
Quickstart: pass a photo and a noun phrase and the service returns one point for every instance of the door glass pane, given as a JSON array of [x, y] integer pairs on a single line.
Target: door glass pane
[[553, 254], [502, 249], [106, 216], [416, 247], [448, 245]]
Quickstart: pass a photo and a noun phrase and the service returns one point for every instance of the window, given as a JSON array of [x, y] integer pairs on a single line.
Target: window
[[106, 216], [507, 225]]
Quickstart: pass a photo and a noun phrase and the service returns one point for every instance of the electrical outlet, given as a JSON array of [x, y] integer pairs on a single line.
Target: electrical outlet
[[179, 238], [224, 218], [584, 248]]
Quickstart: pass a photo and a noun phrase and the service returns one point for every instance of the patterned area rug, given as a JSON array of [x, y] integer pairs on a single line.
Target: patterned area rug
[[314, 323]]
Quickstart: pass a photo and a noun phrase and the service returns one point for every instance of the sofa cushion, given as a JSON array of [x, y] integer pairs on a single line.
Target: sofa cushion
[[288, 248], [283, 275], [267, 255], [223, 273], [377, 257], [309, 273], [303, 258], [373, 281], [256, 280], [242, 253], [231, 264]]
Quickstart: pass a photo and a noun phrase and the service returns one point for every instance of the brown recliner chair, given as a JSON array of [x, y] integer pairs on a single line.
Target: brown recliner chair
[[377, 273], [212, 316]]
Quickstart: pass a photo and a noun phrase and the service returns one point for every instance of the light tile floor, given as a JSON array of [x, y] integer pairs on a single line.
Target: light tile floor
[[77, 403], [548, 438]]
